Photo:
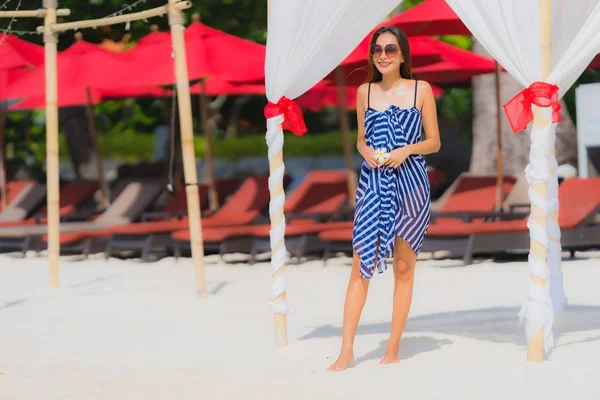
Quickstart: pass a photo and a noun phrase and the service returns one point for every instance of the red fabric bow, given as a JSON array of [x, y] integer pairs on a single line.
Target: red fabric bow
[[292, 114], [518, 109]]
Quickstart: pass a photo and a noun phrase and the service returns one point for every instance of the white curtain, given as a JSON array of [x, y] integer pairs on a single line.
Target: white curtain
[[510, 32], [306, 40]]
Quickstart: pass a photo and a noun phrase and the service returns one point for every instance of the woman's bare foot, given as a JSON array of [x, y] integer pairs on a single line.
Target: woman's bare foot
[[342, 362], [390, 357]]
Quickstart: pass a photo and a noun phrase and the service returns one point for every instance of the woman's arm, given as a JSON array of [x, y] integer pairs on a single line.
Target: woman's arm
[[432, 143]]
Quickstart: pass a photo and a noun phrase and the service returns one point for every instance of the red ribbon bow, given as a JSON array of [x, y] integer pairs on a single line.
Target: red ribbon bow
[[292, 114], [518, 109]]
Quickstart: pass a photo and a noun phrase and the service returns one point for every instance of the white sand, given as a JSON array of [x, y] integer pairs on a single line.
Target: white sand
[[125, 330]]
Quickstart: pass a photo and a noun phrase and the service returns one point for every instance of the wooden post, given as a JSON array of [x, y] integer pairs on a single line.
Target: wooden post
[[52, 174], [104, 202], [213, 196], [535, 345], [187, 143], [345, 127], [500, 155], [3, 113]]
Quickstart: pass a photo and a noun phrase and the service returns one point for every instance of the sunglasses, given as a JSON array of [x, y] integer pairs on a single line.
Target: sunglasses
[[391, 50]]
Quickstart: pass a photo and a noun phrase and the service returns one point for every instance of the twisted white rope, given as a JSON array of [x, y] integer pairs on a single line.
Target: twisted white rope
[[557, 294], [537, 310], [277, 234]]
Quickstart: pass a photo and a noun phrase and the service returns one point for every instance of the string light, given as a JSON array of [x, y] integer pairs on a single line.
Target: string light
[[22, 33], [12, 20], [127, 8], [5, 4]]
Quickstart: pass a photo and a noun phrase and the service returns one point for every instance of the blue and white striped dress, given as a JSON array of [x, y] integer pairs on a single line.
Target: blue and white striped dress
[[390, 202]]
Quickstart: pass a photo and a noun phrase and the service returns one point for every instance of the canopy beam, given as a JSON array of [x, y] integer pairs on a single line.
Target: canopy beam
[[119, 19]]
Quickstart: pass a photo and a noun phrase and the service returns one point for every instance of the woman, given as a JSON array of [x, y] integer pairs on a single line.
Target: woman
[[393, 196]]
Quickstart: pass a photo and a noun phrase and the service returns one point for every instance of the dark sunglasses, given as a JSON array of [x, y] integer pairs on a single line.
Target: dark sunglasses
[[391, 50]]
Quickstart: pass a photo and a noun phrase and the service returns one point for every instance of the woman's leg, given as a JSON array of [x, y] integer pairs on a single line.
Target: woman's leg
[[356, 296], [404, 276]]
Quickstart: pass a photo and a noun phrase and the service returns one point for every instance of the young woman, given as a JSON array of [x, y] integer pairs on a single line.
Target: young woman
[[393, 196]]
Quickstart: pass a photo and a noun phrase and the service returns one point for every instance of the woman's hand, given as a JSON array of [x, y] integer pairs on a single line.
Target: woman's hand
[[370, 156], [397, 157]]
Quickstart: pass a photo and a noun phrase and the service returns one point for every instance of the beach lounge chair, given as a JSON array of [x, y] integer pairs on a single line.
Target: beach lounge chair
[[28, 200], [579, 206], [175, 205], [468, 195], [322, 195], [13, 188], [243, 207], [131, 202], [72, 195]]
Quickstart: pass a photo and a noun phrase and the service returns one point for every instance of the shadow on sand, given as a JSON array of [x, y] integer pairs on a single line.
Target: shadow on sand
[[497, 325], [410, 347]]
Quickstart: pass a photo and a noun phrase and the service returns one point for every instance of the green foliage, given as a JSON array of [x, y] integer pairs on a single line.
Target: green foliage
[[464, 42], [456, 103], [138, 147], [406, 4], [307, 146]]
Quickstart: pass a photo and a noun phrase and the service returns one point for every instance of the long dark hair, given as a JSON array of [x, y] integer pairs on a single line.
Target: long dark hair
[[405, 67]]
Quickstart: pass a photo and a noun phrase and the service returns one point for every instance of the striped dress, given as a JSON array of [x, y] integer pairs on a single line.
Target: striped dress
[[390, 202]]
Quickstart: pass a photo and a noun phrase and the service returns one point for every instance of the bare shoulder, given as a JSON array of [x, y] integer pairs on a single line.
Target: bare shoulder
[[424, 94], [424, 87], [362, 89], [361, 94]]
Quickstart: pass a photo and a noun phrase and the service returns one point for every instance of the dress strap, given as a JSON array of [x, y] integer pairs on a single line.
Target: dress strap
[[415, 105], [369, 96]]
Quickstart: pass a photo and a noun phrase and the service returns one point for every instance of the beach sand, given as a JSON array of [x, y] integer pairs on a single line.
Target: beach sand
[[126, 330]]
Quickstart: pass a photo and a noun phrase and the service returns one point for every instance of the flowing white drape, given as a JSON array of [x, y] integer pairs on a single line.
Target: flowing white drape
[[510, 32], [306, 40]]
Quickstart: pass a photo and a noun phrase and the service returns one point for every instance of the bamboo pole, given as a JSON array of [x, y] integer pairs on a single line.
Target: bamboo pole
[[52, 178], [3, 113], [41, 13], [213, 197], [535, 345], [119, 19], [187, 142], [345, 127], [500, 155], [277, 217], [94, 136]]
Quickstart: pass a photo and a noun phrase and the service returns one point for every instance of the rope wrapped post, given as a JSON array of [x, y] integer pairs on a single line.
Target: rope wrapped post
[[187, 143], [284, 115], [52, 178], [537, 310], [277, 234], [557, 293]]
